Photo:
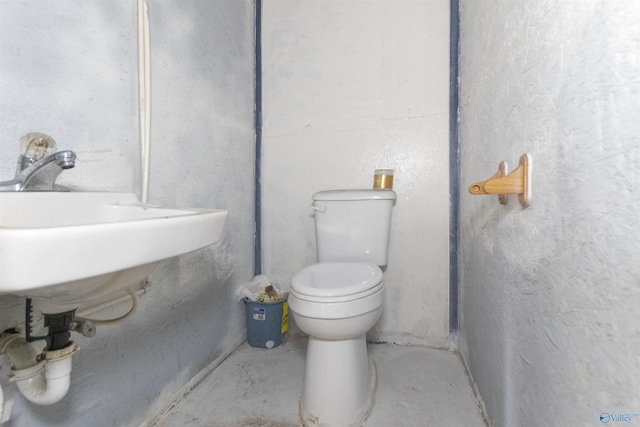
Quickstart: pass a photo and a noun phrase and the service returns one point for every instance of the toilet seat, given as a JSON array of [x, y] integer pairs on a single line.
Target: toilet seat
[[336, 281], [329, 300]]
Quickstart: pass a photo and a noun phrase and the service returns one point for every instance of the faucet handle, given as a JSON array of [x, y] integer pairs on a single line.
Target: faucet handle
[[36, 145]]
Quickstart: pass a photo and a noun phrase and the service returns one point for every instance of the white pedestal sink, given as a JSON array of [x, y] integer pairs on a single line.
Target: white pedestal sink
[[70, 247]]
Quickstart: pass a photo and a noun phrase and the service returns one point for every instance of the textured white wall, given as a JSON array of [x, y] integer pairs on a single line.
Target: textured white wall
[[550, 323], [348, 87], [69, 68]]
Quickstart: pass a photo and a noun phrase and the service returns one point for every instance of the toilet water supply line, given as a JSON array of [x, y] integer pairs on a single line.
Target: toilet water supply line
[[44, 379], [144, 94]]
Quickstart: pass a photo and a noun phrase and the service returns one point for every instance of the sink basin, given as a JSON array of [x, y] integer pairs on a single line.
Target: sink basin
[[70, 247]]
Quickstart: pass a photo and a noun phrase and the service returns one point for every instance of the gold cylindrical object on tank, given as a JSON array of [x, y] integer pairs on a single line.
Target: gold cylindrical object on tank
[[383, 179]]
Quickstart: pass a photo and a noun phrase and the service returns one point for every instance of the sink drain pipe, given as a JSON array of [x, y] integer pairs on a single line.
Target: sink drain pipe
[[42, 379]]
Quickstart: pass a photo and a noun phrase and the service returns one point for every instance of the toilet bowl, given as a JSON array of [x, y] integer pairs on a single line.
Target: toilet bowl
[[336, 303]]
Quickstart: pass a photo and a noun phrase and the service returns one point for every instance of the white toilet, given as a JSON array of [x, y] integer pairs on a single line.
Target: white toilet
[[337, 300]]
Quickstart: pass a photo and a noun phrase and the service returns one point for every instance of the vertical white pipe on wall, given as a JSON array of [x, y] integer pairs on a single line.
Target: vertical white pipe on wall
[[144, 94]]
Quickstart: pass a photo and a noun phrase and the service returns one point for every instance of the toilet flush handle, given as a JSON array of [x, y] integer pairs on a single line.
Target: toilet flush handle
[[315, 209]]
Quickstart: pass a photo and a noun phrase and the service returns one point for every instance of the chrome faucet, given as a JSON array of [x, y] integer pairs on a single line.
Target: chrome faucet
[[39, 175]]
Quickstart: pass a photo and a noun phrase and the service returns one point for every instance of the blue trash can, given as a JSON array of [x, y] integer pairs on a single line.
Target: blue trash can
[[267, 322]]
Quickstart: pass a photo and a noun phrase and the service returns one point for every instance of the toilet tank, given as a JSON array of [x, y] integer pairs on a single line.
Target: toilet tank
[[353, 225]]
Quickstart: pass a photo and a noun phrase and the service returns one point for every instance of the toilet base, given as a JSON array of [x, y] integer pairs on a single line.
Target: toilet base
[[339, 383]]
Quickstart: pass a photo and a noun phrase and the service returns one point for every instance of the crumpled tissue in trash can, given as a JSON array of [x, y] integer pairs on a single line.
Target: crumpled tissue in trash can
[[263, 290]]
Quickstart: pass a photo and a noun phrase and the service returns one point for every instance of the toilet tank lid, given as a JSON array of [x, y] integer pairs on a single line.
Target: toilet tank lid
[[373, 194]]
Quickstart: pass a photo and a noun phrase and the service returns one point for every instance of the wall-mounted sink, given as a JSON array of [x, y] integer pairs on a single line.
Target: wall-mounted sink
[[70, 247]]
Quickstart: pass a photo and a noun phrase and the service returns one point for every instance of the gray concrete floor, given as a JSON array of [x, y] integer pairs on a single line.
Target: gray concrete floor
[[417, 386]]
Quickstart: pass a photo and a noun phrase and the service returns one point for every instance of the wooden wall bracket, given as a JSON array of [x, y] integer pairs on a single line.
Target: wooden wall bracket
[[517, 182]]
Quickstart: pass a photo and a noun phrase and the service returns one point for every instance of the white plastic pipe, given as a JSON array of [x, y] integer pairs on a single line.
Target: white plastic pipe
[[144, 94], [42, 382], [50, 387], [20, 352]]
